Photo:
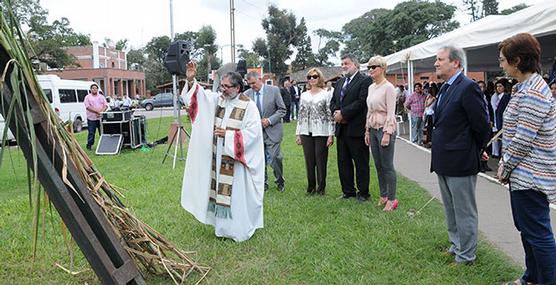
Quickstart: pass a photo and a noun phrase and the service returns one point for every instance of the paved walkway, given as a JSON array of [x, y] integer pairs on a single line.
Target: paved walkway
[[493, 202]]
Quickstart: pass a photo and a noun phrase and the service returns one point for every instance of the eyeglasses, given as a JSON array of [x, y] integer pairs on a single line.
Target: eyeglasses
[[371, 67], [224, 86], [315, 76]]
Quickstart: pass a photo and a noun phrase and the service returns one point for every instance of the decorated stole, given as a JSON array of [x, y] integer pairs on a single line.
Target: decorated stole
[[220, 195]]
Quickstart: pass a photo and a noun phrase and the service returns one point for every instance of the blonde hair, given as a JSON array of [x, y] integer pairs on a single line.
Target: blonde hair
[[320, 80], [378, 60]]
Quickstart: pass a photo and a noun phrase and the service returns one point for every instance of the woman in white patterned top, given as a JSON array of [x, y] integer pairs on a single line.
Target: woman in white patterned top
[[315, 130]]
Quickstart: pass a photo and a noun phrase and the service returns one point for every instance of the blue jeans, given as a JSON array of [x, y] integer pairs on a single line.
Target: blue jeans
[[92, 126], [417, 129], [531, 214]]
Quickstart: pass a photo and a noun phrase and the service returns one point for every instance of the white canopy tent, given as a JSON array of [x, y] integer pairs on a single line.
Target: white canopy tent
[[480, 40]]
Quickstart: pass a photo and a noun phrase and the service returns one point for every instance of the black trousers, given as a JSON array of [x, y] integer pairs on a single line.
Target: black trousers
[[316, 156], [352, 150]]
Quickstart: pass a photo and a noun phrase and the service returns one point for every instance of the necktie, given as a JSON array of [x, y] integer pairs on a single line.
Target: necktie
[[258, 99], [344, 88], [441, 94]]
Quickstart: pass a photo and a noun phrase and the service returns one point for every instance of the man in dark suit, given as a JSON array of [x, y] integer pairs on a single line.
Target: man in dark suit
[[349, 107], [296, 94], [272, 109], [287, 98], [460, 132]]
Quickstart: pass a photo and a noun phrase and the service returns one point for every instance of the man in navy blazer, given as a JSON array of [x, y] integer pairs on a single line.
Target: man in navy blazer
[[349, 108], [460, 132]]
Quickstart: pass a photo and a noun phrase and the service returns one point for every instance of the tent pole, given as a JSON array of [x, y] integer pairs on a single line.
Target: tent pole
[[410, 77]]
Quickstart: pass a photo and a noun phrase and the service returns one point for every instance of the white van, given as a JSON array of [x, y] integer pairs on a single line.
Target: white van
[[10, 136], [66, 98]]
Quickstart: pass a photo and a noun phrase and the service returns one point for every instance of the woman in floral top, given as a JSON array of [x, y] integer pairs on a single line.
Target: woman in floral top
[[315, 130]]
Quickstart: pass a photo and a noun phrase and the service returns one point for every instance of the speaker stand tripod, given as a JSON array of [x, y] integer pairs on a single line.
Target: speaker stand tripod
[[177, 139], [179, 129]]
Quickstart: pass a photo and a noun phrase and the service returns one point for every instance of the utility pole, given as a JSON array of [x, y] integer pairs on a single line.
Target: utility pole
[[232, 32]]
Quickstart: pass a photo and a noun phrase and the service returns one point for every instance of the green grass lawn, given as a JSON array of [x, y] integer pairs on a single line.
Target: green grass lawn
[[306, 240]]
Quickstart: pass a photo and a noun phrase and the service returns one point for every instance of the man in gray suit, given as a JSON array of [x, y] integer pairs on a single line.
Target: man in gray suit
[[272, 109]]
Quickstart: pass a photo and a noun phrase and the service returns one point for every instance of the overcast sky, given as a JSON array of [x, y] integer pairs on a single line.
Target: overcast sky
[[140, 20]]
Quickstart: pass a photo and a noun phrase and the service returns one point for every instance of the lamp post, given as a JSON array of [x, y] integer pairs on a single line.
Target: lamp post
[[206, 46]]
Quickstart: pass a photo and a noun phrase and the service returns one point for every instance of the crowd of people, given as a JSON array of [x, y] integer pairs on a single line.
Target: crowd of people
[[240, 134]]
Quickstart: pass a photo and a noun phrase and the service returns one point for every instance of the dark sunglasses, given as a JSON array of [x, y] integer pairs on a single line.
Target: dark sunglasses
[[309, 77], [372, 67]]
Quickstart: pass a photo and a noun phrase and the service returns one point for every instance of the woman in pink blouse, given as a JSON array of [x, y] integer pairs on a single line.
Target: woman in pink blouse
[[315, 130], [380, 133]]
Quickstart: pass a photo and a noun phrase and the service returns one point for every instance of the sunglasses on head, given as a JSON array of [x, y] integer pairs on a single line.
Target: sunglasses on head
[[370, 67], [309, 77]]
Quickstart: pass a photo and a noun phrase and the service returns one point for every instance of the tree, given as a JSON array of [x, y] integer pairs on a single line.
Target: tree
[[282, 33], [383, 31], [136, 59], [23, 10], [261, 49], [331, 46], [251, 58], [121, 44], [48, 41], [514, 9], [206, 38], [304, 57], [473, 9], [490, 7]]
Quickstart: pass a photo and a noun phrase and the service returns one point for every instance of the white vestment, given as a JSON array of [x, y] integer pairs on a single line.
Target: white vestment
[[248, 175]]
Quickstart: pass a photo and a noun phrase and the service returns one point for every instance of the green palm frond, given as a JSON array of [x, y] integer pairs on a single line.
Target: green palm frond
[[152, 252]]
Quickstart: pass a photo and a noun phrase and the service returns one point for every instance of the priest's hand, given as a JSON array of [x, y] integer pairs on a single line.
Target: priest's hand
[[219, 132], [191, 70]]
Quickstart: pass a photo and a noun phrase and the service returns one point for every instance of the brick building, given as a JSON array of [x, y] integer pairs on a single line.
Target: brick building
[[107, 67]]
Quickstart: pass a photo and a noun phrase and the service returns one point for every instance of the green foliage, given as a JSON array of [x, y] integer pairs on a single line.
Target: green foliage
[[47, 40], [135, 59], [23, 10], [331, 46], [306, 239], [473, 9], [206, 38], [490, 7], [514, 9], [121, 44], [282, 34], [251, 58], [383, 31], [304, 57]]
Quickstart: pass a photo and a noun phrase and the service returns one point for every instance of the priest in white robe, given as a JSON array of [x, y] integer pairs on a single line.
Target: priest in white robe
[[223, 183]]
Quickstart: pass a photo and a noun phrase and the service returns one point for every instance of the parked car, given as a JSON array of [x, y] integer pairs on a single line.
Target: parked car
[[159, 100]]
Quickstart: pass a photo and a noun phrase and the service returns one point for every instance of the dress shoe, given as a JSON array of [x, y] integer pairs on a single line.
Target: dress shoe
[[347, 196], [362, 198], [281, 187], [89, 147]]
